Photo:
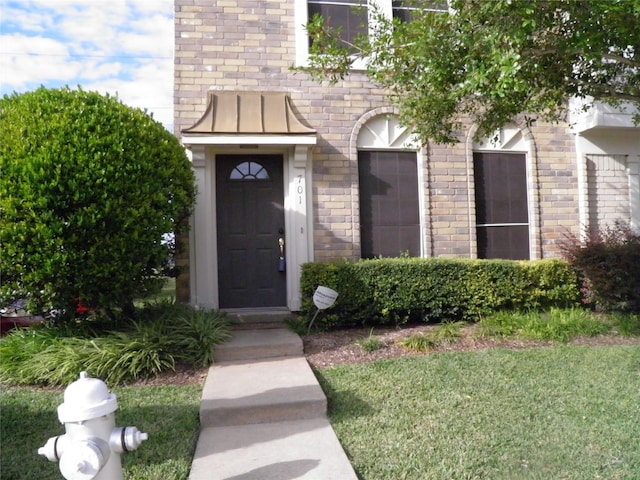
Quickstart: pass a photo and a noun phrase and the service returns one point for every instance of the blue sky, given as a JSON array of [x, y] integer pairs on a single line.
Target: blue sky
[[121, 47]]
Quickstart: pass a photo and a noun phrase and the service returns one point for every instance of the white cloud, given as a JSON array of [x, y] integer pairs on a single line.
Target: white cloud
[[21, 67], [122, 47]]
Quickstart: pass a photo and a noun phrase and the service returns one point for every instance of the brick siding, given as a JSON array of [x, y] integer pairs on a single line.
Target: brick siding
[[250, 45]]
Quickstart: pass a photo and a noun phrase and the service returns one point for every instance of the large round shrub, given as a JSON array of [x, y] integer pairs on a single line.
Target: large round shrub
[[88, 188]]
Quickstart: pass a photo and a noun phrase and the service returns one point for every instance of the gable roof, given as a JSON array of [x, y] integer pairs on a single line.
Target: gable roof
[[239, 112]]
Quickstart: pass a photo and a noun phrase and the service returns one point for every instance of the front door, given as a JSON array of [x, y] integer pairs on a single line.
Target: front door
[[250, 213]]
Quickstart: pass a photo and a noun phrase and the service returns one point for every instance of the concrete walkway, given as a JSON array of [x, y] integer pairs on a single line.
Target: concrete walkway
[[263, 414]]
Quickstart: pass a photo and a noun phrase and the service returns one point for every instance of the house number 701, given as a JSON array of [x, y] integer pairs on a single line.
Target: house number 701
[[300, 189]]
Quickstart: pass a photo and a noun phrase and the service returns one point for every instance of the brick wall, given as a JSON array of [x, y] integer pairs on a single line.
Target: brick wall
[[557, 177], [608, 189], [250, 45]]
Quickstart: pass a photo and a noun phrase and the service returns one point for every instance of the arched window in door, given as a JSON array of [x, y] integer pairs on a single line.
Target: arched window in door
[[249, 171]]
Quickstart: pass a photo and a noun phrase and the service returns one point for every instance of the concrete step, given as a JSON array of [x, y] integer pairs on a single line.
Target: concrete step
[[261, 391], [259, 344], [263, 414], [301, 450], [251, 319]]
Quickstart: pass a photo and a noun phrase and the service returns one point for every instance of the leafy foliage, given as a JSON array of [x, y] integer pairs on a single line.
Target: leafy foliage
[[626, 324], [394, 291], [556, 325], [419, 343], [491, 60], [89, 187], [162, 337], [609, 263]]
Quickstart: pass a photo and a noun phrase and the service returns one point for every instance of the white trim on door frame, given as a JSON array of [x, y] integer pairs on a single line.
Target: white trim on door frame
[[203, 263]]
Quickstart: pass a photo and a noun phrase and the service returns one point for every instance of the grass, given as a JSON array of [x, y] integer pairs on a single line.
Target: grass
[[625, 324], [168, 414], [553, 326], [555, 413], [557, 325], [371, 343], [445, 333]]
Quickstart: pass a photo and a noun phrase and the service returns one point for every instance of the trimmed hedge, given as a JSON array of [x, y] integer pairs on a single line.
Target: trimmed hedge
[[395, 291]]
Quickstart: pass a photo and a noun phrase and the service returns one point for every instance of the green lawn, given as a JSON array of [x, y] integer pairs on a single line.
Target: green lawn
[[168, 414], [554, 413], [561, 412]]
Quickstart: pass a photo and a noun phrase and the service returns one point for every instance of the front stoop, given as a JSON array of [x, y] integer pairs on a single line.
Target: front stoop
[[263, 415]]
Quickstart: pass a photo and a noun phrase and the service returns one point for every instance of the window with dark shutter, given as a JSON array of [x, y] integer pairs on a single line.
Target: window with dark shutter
[[502, 214], [389, 204]]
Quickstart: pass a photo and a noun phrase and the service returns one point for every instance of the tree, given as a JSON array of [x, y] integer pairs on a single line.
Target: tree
[[491, 61], [89, 187]]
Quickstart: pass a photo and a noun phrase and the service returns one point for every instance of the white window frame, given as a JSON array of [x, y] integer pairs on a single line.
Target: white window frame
[[383, 132], [301, 18], [302, 39]]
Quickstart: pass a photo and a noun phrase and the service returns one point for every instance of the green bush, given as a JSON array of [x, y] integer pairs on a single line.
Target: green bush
[[89, 190], [395, 291], [608, 261], [419, 343], [162, 337]]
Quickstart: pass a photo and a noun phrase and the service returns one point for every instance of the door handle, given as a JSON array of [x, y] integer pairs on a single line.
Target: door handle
[[281, 262]]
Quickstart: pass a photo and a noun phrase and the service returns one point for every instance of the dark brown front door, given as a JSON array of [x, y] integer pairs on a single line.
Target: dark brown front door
[[250, 213]]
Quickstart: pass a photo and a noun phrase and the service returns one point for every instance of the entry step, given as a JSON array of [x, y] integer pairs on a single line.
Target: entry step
[[271, 390], [259, 344]]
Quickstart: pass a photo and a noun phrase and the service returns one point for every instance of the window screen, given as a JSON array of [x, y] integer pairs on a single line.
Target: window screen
[[389, 204], [502, 218]]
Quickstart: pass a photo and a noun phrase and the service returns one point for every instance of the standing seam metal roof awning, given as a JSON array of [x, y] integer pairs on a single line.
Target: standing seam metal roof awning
[[265, 117]]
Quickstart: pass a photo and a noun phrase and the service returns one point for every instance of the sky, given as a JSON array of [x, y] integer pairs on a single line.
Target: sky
[[120, 47]]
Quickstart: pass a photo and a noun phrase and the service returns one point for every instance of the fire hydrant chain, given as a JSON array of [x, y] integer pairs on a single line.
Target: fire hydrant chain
[[91, 447]]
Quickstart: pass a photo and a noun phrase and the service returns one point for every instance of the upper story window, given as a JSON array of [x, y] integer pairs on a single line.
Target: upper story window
[[404, 9], [350, 16], [353, 18]]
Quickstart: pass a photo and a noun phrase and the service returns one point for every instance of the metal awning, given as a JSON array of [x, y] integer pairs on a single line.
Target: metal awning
[[249, 113]]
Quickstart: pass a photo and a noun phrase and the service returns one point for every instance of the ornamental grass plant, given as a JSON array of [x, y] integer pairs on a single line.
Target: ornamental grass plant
[[163, 336], [555, 325]]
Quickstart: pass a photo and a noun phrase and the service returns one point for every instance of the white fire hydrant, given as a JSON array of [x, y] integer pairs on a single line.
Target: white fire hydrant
[[91, 447]]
